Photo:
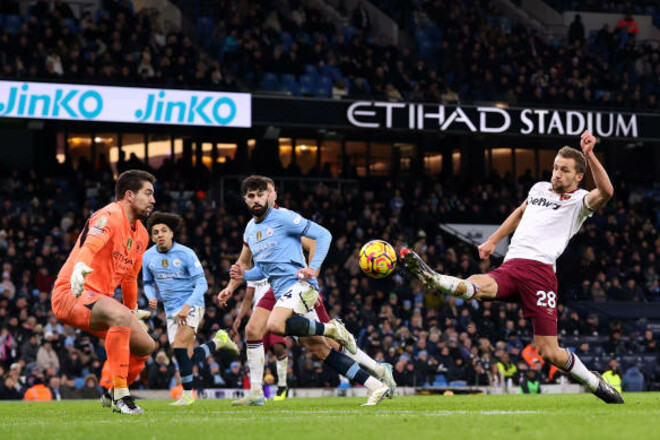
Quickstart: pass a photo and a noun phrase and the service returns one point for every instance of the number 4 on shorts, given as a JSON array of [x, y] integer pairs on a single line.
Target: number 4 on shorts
[[548, 299]]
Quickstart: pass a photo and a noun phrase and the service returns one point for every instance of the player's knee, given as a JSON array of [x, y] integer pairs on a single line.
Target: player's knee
[[549, 353], [276, 328], [119, 317], [253, 332], [146, 348]]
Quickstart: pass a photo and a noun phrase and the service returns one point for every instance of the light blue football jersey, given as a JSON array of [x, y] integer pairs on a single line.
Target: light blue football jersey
[[276, 247], [177, 276]]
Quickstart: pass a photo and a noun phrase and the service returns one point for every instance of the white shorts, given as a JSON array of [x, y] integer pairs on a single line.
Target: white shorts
[[300, 298], [194, 318]]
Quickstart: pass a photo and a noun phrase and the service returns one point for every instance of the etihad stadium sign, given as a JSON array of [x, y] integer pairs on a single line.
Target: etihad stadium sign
[[76, 102], [483, 119]]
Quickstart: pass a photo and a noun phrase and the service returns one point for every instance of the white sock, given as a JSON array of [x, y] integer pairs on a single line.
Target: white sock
[[456, 287], [365, 361], [188, 393], [373, 384], [256, 359], [576, 368], [281, 371], [118, 393]]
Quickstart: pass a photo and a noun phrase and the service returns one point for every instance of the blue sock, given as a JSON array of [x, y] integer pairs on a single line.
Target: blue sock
[[203, 351], [185, 367], [301, 326], [346, 366]]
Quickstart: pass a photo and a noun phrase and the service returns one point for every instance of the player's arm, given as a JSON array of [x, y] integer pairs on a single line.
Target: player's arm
[[129, 287], [487, 248], [96, 234], [310, 246], [245, 306], [196, 271], [245, 261], [149, 287], [598, 197], [322, 238]]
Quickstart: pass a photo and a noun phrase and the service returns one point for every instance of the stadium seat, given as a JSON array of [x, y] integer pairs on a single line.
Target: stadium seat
[[348, 32], [331, 71], [286, 39], [311, 70], [308, 82], [79, 382], [13, 23], [440, 380], [270, 82], [458, 383]]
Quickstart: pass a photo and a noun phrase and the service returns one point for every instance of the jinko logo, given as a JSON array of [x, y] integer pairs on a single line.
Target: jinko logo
[[124, 104], [69, 104]]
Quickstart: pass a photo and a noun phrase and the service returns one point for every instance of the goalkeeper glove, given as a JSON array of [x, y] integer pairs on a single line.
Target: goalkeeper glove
[[80, 272]]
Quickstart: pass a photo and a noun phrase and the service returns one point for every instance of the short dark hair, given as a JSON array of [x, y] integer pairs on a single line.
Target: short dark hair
[[577, 156], [255, 183], [173, 221], [132, 180]]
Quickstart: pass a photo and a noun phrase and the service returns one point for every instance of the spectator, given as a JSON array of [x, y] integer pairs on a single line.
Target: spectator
[[9, 389], [38, 391], [360, 17], [530, 382], [160, 372], [47, 357], [633, 380], [612, 375], [576, 31], [91, 388], [628, 25]]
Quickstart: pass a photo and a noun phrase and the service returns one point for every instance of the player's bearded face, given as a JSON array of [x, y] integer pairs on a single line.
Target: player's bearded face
[[564, 176], [144, 201], [257, 202]]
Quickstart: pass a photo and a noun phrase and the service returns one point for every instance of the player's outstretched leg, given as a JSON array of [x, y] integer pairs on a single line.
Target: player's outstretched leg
[[220, 341], [434, 281], [382, 371], [346, 366], [255, 358], [571, 364], [301, 326]]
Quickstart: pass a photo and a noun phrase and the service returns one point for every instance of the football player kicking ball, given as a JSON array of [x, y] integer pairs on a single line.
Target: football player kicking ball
[[255, 330], [108, 254], [543, 225], [173, 274], [273, 240]]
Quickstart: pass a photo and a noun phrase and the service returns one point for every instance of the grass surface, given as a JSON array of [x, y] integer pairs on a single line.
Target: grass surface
[[403, 418]]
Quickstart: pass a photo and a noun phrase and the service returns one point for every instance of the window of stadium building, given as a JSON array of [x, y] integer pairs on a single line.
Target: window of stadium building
[[132, 149], [380, 159], [160, 148], [356, 158], [330, 158], [432, 164], [286, 152], [499, 162], [307, 153], [407, 153], [93, 147], [456, 161]]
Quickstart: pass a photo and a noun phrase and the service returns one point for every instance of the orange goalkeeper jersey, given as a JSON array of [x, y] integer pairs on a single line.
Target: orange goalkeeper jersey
[[113, 247]]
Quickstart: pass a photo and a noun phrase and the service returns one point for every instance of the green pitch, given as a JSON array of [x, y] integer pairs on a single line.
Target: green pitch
[[404, 418]]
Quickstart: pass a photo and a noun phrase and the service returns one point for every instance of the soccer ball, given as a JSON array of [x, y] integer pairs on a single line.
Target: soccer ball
[[377, 259]]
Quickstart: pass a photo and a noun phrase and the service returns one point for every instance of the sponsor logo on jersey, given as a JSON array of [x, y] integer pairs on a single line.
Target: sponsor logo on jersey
[[259, 235], [269, 232], [543, 202], [198, 264], [164, 263], [176, 262], [297, 220], [129, 244], [95, 231]]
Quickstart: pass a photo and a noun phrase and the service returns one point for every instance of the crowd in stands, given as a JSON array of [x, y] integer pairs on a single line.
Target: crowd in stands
[[464, 51], [429, 339]]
